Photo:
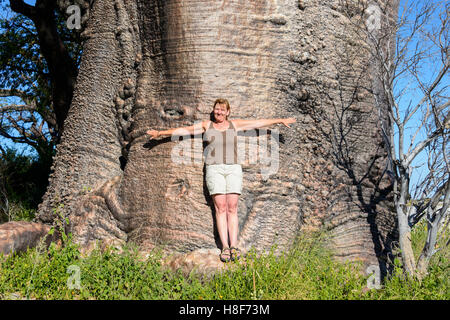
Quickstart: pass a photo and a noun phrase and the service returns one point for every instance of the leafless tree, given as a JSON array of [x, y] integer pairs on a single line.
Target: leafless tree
[[412, 75]]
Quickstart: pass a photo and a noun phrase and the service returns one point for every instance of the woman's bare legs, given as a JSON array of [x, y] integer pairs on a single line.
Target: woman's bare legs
[[220, 204], [226, 218], [232, 217]]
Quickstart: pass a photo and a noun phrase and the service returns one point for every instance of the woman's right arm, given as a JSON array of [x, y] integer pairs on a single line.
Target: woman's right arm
[[196, 128]]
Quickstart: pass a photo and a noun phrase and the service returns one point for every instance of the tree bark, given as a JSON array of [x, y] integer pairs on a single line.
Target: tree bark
[[406, 245], [161, 64]]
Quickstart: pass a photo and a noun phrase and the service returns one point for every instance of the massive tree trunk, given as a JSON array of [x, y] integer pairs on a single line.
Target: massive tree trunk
[[161, 63]]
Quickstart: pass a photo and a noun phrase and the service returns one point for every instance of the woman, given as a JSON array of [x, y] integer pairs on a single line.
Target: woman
[[223, 172]]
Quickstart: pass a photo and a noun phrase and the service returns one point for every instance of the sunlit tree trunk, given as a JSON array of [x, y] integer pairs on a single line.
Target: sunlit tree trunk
[[161, 64]]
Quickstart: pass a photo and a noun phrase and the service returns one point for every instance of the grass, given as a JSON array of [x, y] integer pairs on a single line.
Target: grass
[[306, 271]]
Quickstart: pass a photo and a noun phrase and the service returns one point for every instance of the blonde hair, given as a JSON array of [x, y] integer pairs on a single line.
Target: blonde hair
[[223, 101]]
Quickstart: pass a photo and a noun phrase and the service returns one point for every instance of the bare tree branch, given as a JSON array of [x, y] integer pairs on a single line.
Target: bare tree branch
[[428, 91], [17, 93], [420, 146], [17, 107]]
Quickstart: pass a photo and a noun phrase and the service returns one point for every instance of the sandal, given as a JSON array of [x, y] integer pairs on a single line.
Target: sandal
[[225, 255], [235, 253]]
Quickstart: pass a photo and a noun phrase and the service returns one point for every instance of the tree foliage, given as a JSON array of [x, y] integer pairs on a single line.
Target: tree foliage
[[23, 180], [39, 60], [28, 79]]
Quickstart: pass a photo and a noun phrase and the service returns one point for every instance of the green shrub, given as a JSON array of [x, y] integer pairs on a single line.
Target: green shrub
[[23, 181], [306, 271]]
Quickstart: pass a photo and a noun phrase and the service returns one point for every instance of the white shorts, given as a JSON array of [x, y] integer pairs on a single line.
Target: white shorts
[[224, 178]]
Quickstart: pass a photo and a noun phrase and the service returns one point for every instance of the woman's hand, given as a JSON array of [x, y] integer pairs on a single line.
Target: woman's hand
[[288, 121], [153, 133]]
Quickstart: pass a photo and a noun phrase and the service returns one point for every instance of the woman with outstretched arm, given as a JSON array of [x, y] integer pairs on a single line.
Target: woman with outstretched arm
[[223, 172]]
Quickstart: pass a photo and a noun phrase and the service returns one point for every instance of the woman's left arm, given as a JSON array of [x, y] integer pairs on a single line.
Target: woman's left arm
[[241, 124]]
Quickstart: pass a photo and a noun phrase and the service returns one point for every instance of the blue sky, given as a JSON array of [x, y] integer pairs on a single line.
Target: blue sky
[[428, 71]]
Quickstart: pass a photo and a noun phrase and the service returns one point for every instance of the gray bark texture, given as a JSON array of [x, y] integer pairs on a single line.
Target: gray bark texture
[[161, 64]]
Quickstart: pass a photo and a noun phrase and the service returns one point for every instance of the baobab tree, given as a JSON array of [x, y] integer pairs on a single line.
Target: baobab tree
[[161, 64]]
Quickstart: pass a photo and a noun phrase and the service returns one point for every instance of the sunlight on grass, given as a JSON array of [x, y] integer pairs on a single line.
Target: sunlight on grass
[[306, 271]]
